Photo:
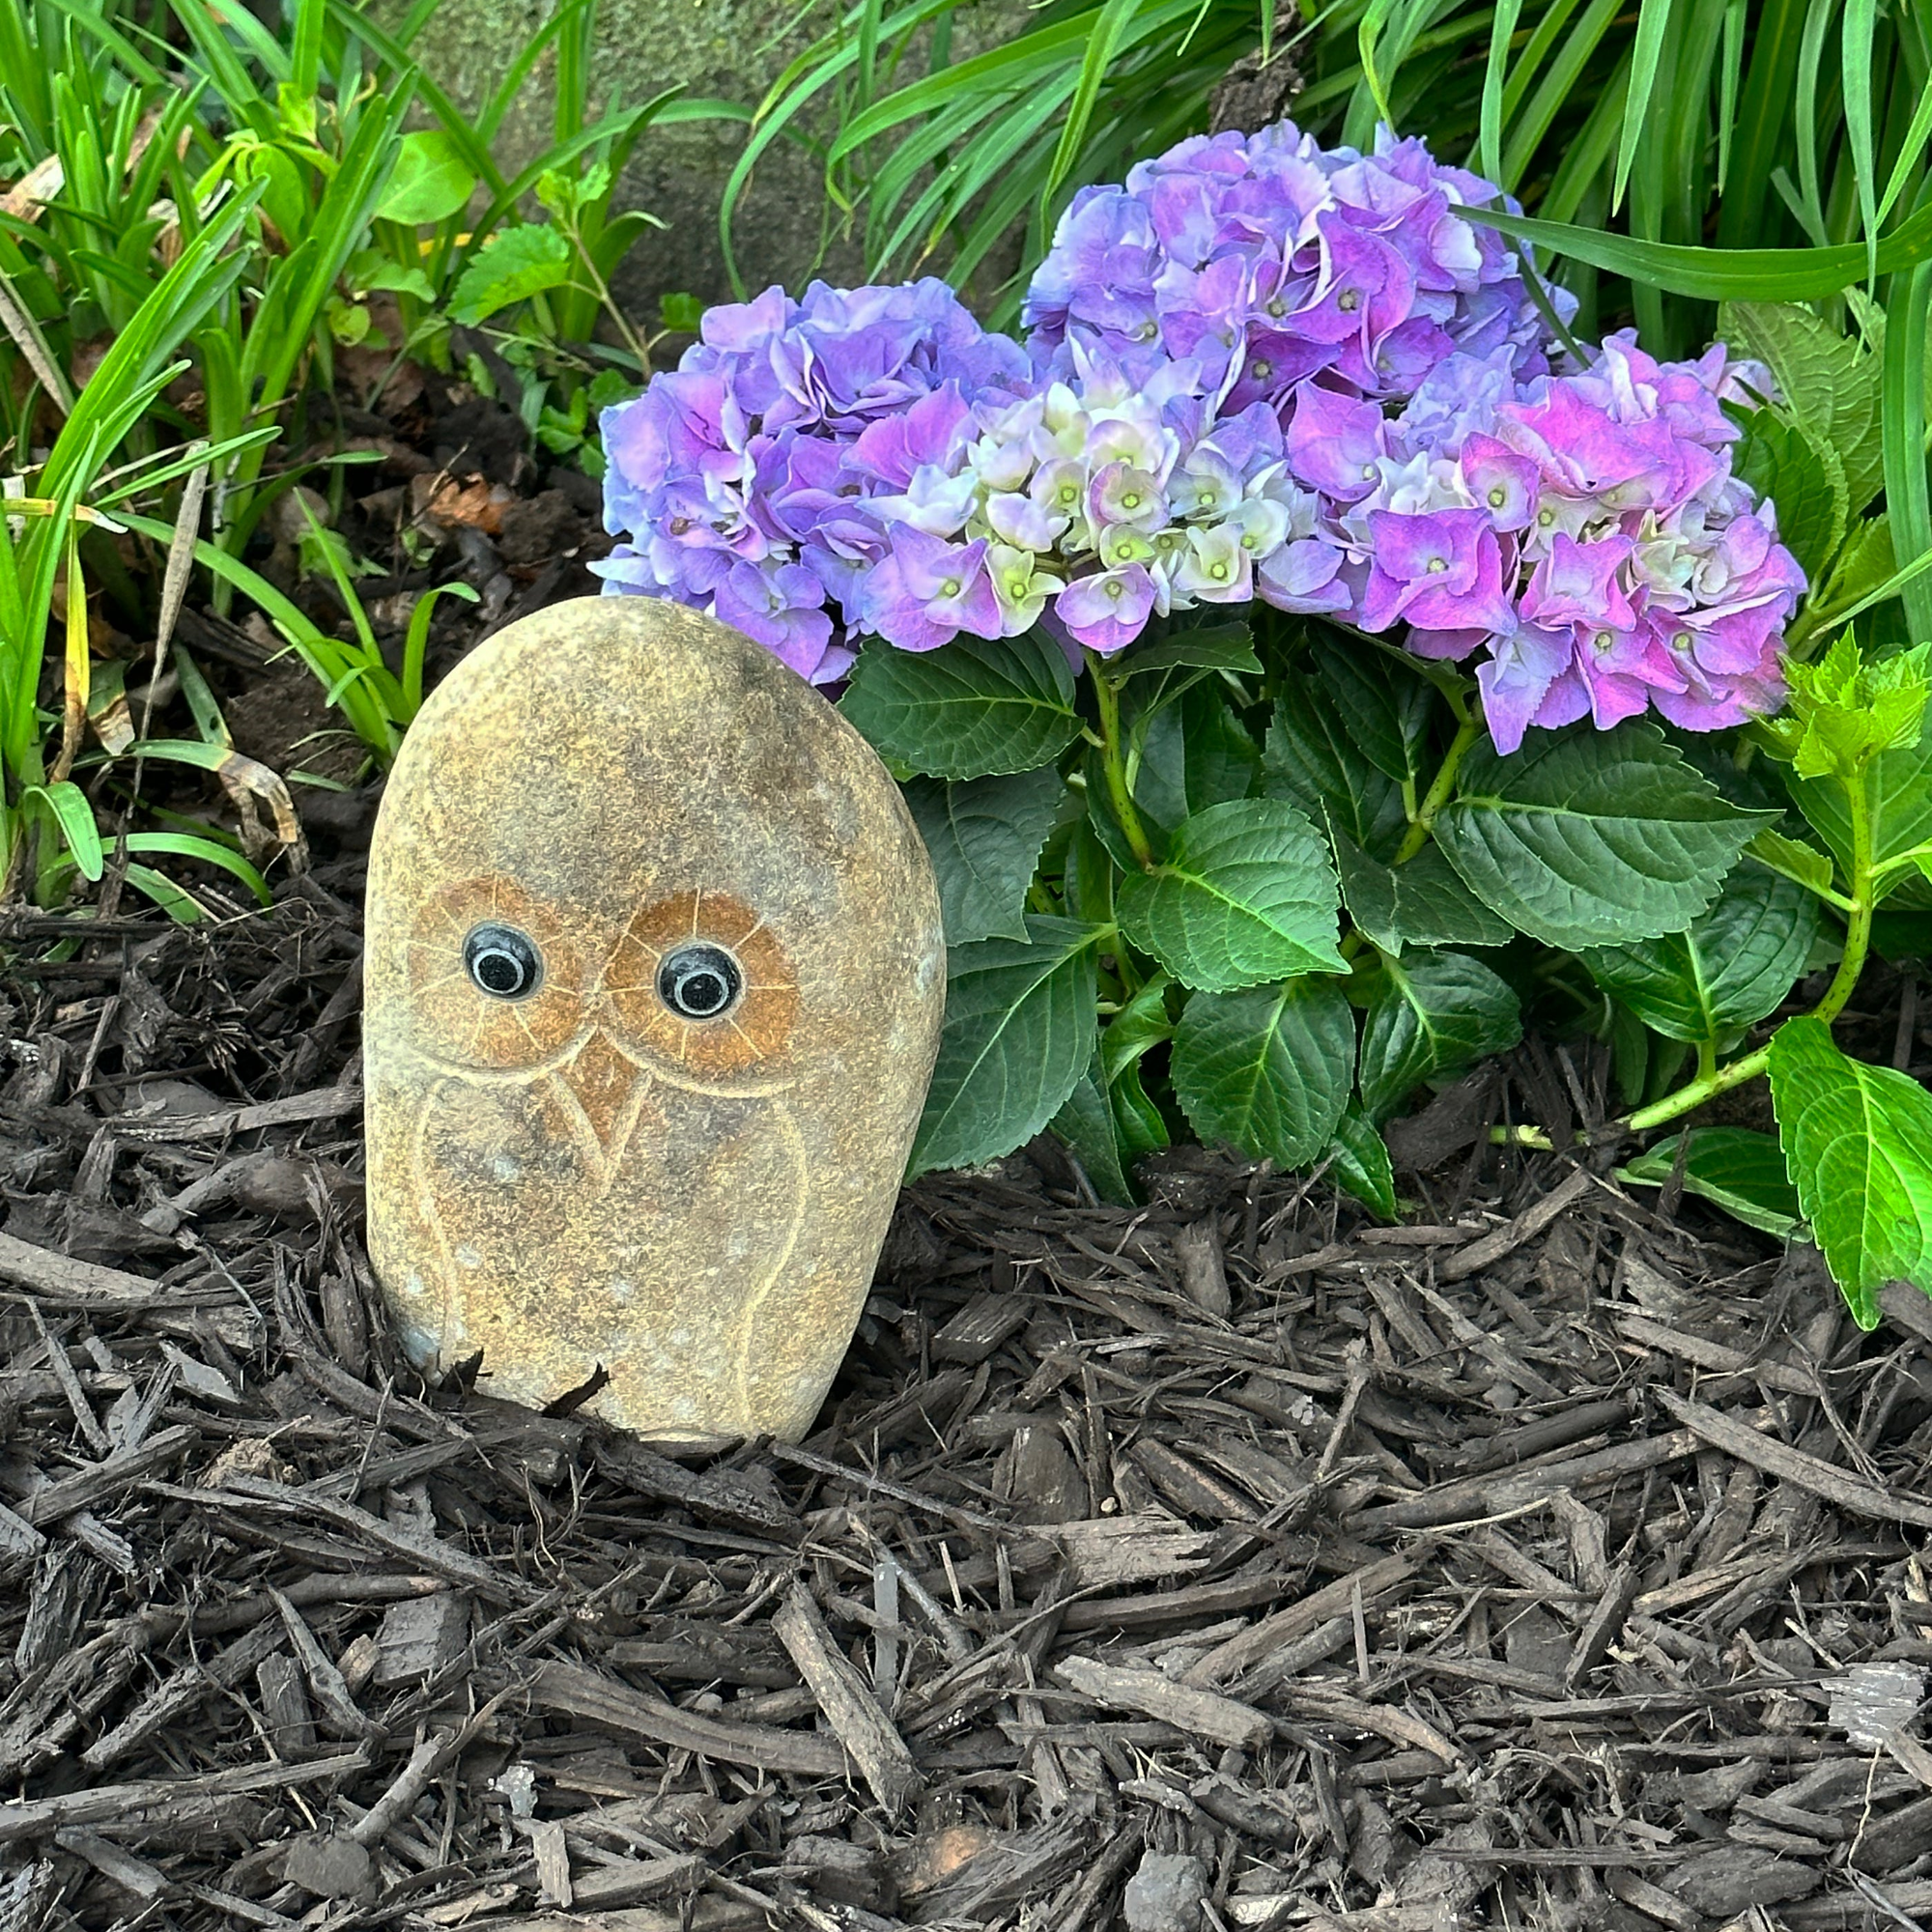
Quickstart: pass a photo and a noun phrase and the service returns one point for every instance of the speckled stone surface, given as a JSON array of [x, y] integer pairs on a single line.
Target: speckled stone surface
[[583, 1176]]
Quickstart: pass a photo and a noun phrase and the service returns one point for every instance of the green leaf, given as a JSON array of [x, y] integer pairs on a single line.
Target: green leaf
[[1898, 801], [1019, 1034], [984, 836], [74, 815], [1195, 754], [1432, 1016], [1845, 711], [1086, 1123], [1385, 707], [1359, 1161], [1421, 904], [1865, 566], [1793, 860], [1226, 647], [1593, 838], [975, 708], [1312, 758], [1266, 1070], [1781, 459], [1733, 1168], [512, 266], [1246, 894], [1727, 969], [1830, 383], [430, 183], [1858, 1141], [680, 314]]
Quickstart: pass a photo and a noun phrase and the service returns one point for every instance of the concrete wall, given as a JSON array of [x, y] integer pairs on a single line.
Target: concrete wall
[[728, 50]]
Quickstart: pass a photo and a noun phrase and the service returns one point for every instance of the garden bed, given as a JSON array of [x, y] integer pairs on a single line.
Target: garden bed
[[1545, 1562]]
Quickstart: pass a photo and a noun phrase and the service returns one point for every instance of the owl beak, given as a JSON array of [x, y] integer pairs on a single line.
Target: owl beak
[[603, 1091]]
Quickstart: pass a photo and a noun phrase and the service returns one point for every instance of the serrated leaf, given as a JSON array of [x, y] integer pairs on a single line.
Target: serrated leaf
[[985, 838], [1195, 754], [1359, 1161], [1733, 1168], [1864, 565], [1019, 1034], [1846, 709], [1831, 383], [1803, 863], [1780, 458], [429, 181], [1246, 894], [1899, 804], [978, 707], [1311, 758], [1590, 837], [1727, 969], [1858, 1143], [1384, 708], [1086, 1123], [1209, 647], [1432, 1016], [1421, 904], [512, 266], [1267, 1069], [1140, 1025]]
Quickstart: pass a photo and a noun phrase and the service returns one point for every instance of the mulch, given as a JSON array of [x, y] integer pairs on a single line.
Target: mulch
[[1549, 1561], [1229, 1562]]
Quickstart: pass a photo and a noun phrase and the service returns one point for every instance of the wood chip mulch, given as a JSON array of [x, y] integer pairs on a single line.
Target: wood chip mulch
[[1549, 1562]]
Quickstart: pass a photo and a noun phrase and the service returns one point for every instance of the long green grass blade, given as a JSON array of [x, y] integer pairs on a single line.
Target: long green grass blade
[[1907, 498], [1855, 62], [1653, 23]]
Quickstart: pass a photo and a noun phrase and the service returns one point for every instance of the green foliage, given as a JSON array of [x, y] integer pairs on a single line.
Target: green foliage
[[975, 708], [984, 836], [1266, 1069], [1858, 1141], [1246, 894], [1432, 1016], [1018, 1035], [1734, 1168], [1592, 838]]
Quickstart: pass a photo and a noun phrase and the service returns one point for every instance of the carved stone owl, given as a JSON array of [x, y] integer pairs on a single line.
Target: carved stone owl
[[654, 984]]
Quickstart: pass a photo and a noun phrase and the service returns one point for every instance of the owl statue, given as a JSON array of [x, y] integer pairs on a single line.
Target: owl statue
[[654, 980]]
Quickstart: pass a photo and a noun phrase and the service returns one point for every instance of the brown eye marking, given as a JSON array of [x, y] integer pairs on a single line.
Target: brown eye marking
[[470, 945], [703, 981]]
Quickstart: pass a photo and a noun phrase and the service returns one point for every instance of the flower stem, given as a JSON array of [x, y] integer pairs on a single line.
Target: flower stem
[[1467, 731], [1858, 943], [1113, 761]]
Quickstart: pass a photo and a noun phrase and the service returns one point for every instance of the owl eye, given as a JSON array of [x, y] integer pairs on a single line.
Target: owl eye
[[503, 962], [699, 982]]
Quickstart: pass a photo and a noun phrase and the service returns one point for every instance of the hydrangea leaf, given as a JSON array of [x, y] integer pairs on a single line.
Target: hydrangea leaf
[[1898, 801], [1592, 838], [1733, 1168], [1780, 458], [1086, 1123], [1805, 863], [1422, 903], [1018, 1035], [1845, 711], [1312, 758], [1266, 1069], [1729, 967], [1210, 647], [1858, 1142], [1432, 1016], [1385, 707], [1832, 384], [975, 709], [984, 836], [1195, 754], [512, 266], [1246, 894], [1359, 1161]]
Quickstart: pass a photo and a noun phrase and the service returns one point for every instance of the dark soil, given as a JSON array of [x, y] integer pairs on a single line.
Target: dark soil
[[1553, 1562]]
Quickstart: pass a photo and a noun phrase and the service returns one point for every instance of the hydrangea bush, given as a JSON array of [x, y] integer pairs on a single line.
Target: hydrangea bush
[[1371, 575]]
